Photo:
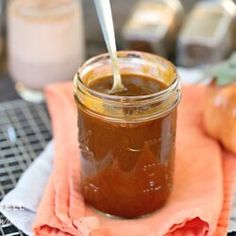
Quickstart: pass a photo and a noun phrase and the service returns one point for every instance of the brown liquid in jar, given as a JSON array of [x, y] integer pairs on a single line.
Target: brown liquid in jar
[[126, 168]]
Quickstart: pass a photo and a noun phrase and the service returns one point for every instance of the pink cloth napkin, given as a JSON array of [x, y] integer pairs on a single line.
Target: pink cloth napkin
[[203, 180]]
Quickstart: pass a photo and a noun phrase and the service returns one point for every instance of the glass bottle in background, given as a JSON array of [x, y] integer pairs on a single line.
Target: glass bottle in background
[[45, 43], [153, 26], [208, 35]]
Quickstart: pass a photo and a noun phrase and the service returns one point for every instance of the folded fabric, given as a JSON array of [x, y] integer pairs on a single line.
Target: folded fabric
[[201, 194], [28, 192]]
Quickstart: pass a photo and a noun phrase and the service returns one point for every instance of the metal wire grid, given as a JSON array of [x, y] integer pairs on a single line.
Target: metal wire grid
[[24, 132]]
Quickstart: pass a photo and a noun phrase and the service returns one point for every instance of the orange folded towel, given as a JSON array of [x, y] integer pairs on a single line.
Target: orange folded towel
[[201, 196]]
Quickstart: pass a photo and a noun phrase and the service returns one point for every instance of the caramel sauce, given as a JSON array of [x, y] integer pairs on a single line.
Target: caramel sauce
[[126, 167], [136, 85]]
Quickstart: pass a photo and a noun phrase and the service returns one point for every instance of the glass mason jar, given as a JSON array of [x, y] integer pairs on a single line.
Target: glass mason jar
[[127, 143], [45, 43]]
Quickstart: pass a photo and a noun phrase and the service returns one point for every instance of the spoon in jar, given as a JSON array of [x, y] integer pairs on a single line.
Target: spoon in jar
[[104, 13]]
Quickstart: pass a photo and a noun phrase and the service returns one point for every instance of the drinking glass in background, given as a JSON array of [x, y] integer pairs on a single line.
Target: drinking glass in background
[[45, 43]]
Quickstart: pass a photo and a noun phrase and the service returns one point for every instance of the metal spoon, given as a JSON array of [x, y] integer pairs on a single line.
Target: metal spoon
[[104, 13]]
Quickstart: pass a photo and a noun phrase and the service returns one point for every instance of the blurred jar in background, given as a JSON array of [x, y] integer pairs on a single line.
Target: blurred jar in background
[[45, 43], [208, 35], [153, 26]]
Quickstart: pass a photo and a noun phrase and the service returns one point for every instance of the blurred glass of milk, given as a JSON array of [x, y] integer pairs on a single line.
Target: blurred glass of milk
[[45, 43]]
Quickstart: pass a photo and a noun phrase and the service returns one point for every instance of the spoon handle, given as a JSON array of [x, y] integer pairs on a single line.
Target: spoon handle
[[103, 8], [104, 13]]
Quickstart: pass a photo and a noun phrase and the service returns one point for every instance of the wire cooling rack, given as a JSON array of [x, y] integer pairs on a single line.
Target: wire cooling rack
[[24, 132]]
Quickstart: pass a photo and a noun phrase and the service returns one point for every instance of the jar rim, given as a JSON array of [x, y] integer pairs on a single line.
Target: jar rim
[[173, 85]]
